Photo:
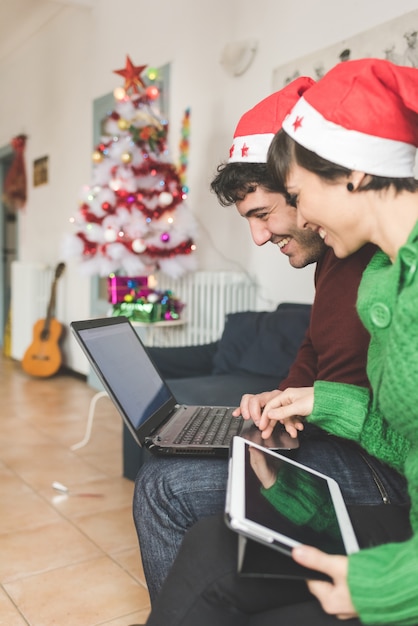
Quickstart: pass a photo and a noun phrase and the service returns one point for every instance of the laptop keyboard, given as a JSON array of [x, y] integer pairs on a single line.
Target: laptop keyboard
[[210, 425]]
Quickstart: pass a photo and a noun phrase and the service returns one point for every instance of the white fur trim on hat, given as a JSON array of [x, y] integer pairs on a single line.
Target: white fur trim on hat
[[349, 148], [250, 149]]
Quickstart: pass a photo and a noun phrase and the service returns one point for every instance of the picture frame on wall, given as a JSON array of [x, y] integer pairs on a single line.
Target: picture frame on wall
[[40, 171], [396, 41]]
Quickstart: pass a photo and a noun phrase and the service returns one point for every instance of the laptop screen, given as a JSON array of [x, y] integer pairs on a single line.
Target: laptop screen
[[127, 372]]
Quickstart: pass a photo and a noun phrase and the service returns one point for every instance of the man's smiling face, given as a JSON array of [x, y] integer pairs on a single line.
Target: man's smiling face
[[272, 219]]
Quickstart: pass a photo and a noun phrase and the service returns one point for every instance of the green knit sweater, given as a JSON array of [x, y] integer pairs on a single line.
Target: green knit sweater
[[383, 581], [300, 499]]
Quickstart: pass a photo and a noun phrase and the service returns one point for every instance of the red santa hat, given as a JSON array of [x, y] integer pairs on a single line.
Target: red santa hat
[[362, 115], [257, 127]]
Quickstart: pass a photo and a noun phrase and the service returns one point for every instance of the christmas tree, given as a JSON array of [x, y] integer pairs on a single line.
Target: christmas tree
[[132, 217]]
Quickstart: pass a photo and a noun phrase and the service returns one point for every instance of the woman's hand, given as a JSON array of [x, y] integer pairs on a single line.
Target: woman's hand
[[252, 405], [288, 407], [334, 596]]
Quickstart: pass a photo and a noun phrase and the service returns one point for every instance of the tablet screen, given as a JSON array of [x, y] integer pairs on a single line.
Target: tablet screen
[[276, 500]]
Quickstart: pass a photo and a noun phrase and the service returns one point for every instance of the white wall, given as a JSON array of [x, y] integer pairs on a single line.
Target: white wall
[[50, 80]]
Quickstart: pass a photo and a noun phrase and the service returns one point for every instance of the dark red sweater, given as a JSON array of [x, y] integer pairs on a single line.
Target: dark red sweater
[[336, 343]]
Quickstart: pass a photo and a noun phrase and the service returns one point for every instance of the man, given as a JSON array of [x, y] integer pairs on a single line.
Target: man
[[172, 494]]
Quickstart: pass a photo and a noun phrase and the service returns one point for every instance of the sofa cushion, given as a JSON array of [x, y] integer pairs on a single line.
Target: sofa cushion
[[239, 332], [261, 342], [274, 348], [184, 361], [222, 389]]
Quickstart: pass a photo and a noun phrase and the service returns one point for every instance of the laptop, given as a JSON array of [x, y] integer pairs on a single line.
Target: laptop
[[147, 405], [279, 503]]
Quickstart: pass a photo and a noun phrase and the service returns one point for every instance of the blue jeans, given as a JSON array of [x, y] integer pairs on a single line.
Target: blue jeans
[[172, 494]]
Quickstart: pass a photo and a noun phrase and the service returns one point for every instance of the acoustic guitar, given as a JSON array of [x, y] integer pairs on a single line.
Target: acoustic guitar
[[43, 357]]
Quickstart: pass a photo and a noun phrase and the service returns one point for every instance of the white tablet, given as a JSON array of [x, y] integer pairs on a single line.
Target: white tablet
[[281, 503]]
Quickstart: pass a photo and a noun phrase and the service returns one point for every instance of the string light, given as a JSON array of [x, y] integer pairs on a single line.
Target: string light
[[119, 93]]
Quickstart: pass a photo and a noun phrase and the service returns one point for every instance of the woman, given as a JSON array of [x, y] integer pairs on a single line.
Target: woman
[[347, 157]]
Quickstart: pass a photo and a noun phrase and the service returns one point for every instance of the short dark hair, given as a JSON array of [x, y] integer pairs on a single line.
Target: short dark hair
[[235, 180], [284, 150]]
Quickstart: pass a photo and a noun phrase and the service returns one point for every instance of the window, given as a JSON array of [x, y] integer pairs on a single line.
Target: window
[[102, 107]]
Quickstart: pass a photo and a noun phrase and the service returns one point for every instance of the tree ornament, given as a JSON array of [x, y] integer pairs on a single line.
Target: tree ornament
[[165, 199], [152, 73], [152, 92], [126, 157], [110, 235], [138, 246], [97, 156], [123, 124], [165, 237]]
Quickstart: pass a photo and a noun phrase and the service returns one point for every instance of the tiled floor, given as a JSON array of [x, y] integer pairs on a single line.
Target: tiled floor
[[65, 560]]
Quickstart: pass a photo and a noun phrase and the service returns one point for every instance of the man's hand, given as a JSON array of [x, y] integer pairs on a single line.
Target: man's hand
[[334, 596], [287, 408]]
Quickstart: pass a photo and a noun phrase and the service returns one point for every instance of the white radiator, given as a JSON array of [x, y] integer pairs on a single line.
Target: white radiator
[[31, 289], [208, 297]]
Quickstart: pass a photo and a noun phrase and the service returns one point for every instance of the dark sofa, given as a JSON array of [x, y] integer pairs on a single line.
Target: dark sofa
[[253, 355]]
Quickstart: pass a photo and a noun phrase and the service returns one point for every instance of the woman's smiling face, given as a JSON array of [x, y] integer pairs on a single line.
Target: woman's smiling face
[[327, 207]]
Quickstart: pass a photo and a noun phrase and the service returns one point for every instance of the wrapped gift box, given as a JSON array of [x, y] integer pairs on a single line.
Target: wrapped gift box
[[149, 306], [120, 286], [138, 311]]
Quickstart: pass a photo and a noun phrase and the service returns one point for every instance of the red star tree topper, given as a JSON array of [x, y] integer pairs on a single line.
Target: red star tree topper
[[132, 75], [132, 217]]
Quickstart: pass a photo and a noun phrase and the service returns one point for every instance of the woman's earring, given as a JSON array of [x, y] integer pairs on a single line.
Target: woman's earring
[[350, 187]]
